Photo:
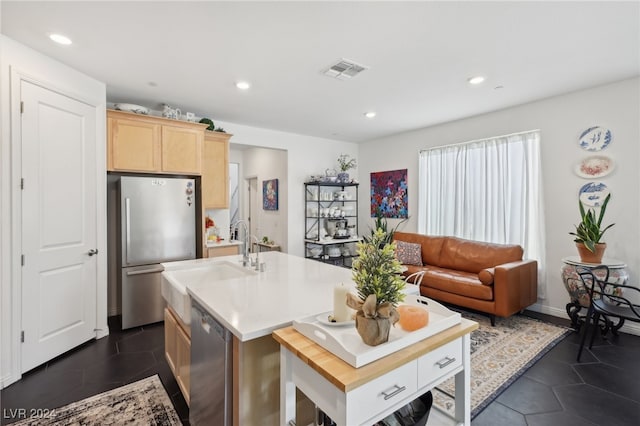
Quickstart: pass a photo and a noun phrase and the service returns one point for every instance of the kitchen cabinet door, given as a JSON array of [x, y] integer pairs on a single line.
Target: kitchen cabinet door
[[184, 363], [181, 150], [133, 145], [170, 340], [215, 171]]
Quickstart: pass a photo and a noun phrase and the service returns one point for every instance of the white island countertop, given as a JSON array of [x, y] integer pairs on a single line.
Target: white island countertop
[[253, 304]]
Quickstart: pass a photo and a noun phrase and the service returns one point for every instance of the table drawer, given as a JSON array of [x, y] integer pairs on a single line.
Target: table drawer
[[439, 362], [385, 391]]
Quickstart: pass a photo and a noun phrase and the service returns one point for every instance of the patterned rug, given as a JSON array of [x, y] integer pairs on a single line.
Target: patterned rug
[[144, 402], [499, 355]]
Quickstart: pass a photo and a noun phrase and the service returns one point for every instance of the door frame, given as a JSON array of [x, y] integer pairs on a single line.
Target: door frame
[[14, 304]]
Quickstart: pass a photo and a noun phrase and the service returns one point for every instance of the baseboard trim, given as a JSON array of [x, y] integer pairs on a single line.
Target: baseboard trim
[[631, 328]]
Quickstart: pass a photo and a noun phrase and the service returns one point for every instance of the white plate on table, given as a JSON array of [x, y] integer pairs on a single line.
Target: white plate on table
[[324, 320]]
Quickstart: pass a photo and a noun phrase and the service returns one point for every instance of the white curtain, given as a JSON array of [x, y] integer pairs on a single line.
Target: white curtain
[[486, 190]]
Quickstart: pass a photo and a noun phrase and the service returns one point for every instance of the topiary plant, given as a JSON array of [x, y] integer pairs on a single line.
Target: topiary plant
[[209, 122]]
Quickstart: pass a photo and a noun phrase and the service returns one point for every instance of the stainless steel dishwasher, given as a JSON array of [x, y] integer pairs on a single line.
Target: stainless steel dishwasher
[[211, 370]]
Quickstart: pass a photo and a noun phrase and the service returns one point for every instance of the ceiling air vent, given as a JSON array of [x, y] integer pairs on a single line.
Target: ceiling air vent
[[344, 70]]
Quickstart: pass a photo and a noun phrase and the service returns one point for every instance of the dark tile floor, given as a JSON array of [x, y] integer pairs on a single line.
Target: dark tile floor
[[603, 389], [123, 357]]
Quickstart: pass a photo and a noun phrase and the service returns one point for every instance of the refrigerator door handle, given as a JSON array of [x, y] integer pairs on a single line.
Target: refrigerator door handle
[[127, 226], [145, 271]]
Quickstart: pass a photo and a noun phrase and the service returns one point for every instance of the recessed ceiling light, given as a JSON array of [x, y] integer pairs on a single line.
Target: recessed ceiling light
[[59, 38], [370, 114], [243, 85], [476, 80]]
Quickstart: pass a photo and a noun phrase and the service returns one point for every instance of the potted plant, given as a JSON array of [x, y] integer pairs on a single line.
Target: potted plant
[[381, 223], [589, 233], [376, 272], [345, 163]]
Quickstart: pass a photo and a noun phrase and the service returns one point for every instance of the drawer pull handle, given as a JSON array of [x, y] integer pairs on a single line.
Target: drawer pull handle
[[391, 394], [446, 361]]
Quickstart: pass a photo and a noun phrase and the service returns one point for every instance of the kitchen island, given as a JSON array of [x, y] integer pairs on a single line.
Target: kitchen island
[[251, 305]]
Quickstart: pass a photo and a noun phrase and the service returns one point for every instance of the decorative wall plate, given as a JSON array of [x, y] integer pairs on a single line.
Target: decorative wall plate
[[595, 166], [593, 194], [595, 138]]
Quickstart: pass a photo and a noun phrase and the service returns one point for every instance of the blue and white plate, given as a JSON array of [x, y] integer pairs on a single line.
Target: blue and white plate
[[595, 138], [593, 194]]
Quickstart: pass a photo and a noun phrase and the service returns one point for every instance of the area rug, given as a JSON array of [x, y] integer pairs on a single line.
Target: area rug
[[499, 355], [144, 402]]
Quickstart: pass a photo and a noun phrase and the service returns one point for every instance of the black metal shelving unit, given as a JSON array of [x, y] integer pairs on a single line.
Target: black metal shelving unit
[[330, 206]]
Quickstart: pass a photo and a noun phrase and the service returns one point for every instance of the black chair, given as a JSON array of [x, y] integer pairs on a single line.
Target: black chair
[[607, 300]]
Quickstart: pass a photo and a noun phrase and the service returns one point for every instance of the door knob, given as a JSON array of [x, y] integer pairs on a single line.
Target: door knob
[[92, 252]]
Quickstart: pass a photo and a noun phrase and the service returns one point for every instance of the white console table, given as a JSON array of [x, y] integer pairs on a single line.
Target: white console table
[[362, 396]]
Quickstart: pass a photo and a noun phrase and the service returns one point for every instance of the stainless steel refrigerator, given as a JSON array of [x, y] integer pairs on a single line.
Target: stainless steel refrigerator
[[157, 224]]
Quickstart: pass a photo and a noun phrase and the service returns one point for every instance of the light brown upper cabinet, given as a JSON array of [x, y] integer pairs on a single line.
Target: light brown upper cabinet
[[215, 171], [141, 143]]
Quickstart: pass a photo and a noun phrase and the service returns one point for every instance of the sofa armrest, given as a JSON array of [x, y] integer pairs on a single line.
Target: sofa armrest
[[515, 286]]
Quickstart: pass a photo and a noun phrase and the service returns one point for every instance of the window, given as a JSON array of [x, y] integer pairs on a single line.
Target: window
[[486, 190]]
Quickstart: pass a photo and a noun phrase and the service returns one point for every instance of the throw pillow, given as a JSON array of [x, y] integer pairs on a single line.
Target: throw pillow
[[409, 253], [486, 276]]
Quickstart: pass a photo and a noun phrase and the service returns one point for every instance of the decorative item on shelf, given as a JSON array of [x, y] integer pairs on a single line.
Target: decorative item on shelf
[[169, 112], [219, 129], [589, 233], [330, 176], [132, 108], [595, 138], [376, 272], [345, 163], [209, 122]]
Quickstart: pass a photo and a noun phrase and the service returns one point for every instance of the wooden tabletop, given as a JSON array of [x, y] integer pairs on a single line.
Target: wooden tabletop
[[346, 377]]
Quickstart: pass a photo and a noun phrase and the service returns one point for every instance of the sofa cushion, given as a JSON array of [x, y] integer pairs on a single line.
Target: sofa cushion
[[409, 253], [431, 246], [486, 276], [458, 282], [474, 256]]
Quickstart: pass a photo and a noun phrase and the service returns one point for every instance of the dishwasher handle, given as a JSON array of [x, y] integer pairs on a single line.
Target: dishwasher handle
[[207, 322]]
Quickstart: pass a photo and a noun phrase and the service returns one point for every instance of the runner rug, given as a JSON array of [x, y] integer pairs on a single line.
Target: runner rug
[[499, 355], [144, 402]]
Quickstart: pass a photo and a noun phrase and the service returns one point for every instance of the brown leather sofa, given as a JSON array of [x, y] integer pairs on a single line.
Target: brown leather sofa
[[490, 278]]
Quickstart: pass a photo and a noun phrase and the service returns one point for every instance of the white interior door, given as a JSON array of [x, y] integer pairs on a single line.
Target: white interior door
[[58, 224]]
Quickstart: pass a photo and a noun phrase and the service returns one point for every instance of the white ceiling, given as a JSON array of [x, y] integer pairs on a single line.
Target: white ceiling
[[420, 55]]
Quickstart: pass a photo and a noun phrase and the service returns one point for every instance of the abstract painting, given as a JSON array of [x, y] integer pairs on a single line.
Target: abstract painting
[[389, 194], [270, 194]]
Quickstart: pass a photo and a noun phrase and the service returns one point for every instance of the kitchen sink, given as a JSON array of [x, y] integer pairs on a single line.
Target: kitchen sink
[[195, 272]]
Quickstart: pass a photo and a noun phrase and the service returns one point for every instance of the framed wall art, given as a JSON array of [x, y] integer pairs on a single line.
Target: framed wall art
[[389, 196], [270, 194]]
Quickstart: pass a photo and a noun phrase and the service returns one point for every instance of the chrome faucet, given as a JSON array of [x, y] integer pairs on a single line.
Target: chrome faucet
[[246, 260], [257, 264]]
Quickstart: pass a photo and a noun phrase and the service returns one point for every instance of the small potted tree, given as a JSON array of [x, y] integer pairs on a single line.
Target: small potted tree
[[589, 233], [376, 272], [345, 163]]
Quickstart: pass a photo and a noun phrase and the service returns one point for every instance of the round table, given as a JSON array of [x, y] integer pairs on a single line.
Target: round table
[[577, 292]]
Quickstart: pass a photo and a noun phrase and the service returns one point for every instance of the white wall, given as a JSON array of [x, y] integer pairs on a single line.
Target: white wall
[[561, 119], [265, 164], [307, 156], [14, 56]]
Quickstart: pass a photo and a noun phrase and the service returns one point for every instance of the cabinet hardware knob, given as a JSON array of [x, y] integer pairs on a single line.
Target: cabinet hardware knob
[[92, 252]]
